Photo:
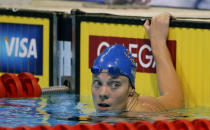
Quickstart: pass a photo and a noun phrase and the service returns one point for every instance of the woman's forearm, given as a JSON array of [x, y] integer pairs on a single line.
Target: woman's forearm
[[169, 85], [171, 94]]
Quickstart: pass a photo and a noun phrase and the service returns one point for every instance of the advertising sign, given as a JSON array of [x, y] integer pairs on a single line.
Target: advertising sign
[[189, 48], [24, 46], [139, 48], [21, 48]]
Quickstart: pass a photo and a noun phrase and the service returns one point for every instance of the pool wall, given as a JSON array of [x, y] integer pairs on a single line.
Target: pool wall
[[188, 43]]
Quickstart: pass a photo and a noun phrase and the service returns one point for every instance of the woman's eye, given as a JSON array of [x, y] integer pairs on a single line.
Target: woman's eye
[[115, 85], [97, 84]]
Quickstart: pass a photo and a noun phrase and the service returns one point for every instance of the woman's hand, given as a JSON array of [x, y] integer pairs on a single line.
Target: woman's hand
[[158, 28]]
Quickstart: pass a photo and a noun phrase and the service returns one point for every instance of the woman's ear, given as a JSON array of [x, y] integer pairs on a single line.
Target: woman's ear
[[131, 92]]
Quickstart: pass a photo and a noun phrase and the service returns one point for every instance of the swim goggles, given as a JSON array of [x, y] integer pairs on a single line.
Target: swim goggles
[[113, 71]]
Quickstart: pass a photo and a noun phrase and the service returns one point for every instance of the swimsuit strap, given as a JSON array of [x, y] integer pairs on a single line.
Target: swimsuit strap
[[134, 101]]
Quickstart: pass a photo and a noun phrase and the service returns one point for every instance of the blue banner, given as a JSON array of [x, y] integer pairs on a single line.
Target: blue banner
[[21, 48]]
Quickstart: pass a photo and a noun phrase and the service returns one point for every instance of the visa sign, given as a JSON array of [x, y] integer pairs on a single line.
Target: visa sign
[[21, 48], [139, 48], [18, 44]]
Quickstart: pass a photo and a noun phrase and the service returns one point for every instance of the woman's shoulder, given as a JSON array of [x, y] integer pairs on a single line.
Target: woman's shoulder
[[148, 104]]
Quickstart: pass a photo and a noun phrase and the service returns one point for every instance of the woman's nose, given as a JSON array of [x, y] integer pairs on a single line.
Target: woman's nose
[[103, 94], [103, 97]]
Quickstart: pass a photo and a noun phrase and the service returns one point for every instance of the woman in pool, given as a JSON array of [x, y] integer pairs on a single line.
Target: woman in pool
[[113, 85]]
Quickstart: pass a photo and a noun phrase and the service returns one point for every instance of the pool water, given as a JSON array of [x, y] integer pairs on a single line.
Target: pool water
[[66, 109]]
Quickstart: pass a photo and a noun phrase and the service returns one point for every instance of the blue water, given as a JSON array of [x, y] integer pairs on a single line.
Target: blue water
[[49, 110], [66, 109]]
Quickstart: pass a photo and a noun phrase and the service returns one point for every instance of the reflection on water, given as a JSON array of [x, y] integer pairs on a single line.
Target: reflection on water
[[66, 109]]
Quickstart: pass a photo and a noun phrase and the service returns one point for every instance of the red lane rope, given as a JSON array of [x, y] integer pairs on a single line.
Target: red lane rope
[[201, 124], [23, 85], [62, 127], [12, 85], [124, 126], [42, 127], [83, 127], [103, 126], [181, 124], [6, 128], [22, 128], [164, 125], [30, 85], [144, 125], [2, 89]]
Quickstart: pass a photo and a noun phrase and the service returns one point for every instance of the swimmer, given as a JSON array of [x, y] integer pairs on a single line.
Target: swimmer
[[113, 84]]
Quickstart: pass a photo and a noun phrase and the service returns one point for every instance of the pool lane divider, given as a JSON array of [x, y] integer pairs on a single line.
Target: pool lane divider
[[30, 85], [12, 85], [25, 85], [179, 124]]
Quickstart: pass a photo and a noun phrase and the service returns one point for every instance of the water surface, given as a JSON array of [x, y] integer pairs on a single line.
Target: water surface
[[66, 109]]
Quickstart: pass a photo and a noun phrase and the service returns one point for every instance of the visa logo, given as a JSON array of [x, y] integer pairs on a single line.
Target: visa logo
[[21, 47]]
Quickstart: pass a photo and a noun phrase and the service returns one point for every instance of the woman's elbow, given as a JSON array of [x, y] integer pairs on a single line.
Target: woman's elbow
[[179, 101]]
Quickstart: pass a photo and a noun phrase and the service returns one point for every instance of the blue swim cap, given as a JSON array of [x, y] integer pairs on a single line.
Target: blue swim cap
[[117, 60]]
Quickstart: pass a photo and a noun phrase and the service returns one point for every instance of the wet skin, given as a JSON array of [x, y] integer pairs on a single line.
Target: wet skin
[[110, 93]]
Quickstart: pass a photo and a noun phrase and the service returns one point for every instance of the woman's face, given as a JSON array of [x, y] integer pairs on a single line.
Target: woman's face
[[110, 93]]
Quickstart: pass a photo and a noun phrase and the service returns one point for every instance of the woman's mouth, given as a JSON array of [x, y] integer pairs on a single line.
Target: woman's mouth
[[103, 106]]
